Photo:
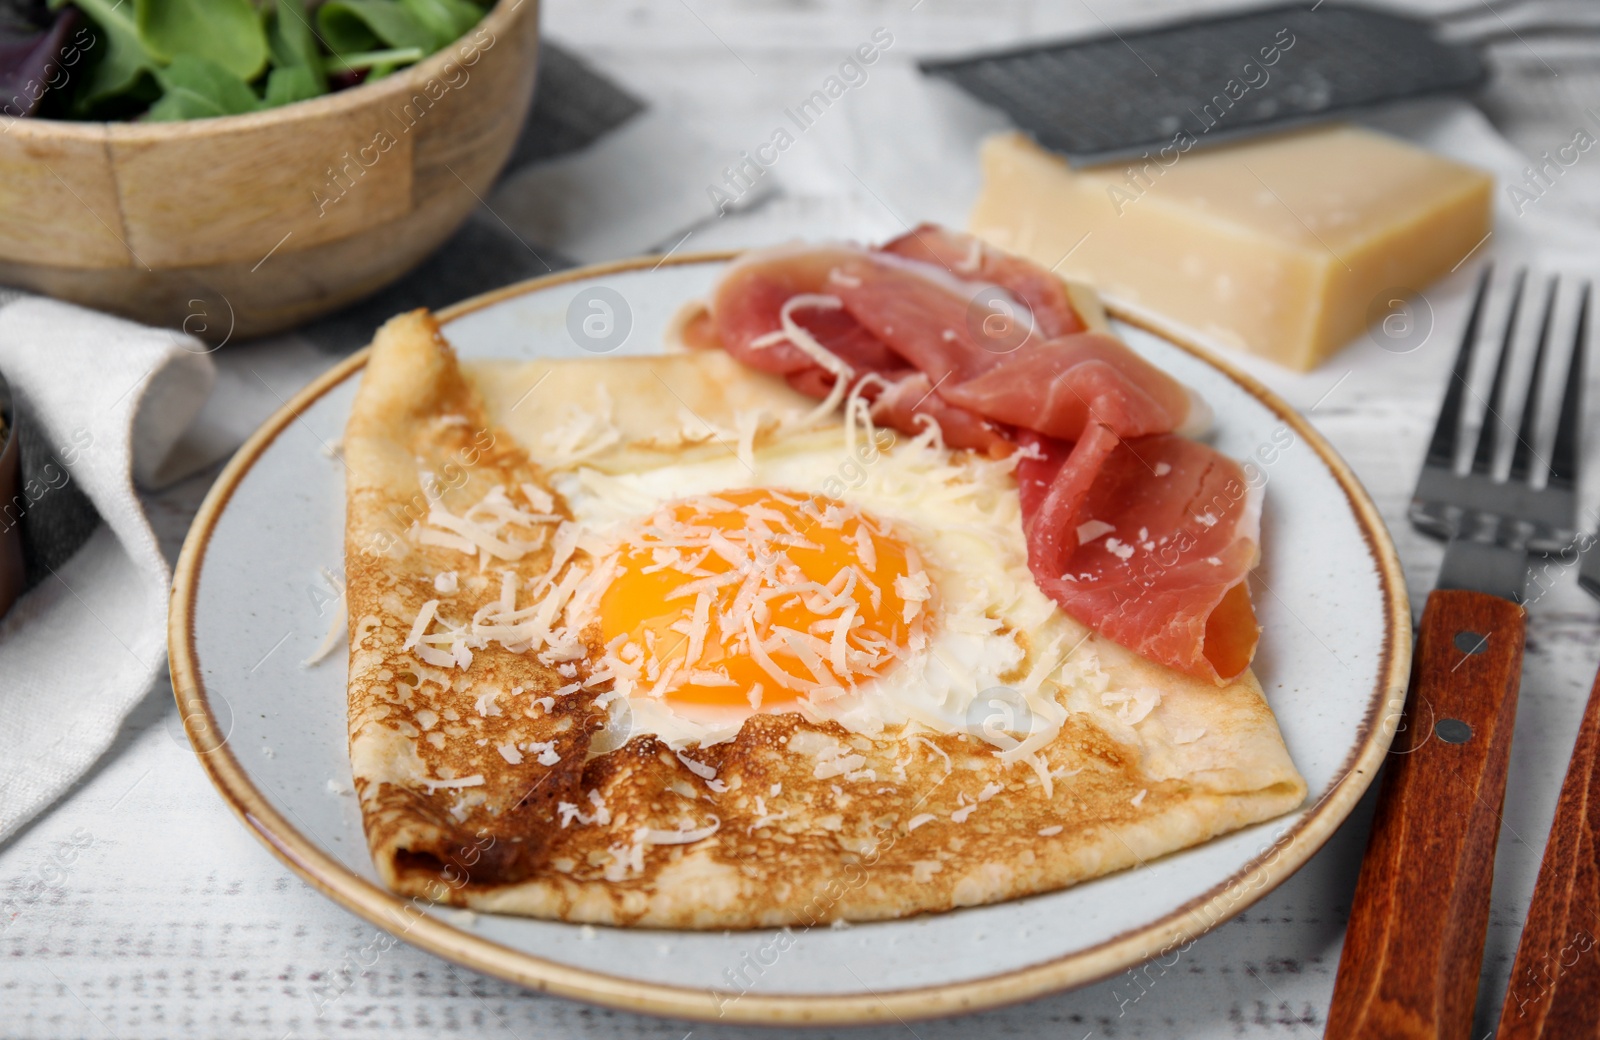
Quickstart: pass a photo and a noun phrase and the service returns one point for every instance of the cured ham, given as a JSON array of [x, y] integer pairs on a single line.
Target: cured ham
[[1148, 541], [750, 303], [909, 401], [776, 309], [965, 256], [1144, 535], [1059, 386]]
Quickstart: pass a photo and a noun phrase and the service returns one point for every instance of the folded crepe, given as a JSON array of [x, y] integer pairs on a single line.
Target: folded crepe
[[494, 778]]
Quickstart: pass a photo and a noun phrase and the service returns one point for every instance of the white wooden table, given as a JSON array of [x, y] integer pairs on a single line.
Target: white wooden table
[[138, 907]]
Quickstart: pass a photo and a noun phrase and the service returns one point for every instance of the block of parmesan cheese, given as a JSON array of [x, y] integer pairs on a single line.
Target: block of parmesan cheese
[[1287, 246]]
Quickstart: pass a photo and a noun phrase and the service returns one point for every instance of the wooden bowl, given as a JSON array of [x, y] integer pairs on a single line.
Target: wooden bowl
[[244, 225]]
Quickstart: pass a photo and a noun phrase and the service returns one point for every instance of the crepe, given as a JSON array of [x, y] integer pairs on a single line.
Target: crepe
[[804, 821]]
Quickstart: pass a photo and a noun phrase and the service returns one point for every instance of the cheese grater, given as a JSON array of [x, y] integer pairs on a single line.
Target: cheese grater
[[1122, 94]]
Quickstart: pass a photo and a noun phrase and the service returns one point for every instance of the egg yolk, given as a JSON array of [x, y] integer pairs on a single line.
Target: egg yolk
[[759, 596]]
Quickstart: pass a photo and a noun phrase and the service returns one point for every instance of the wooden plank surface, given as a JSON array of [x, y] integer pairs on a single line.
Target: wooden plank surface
[[139, 907]]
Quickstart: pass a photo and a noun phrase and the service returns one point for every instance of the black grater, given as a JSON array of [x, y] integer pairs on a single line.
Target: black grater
[[1122, 94]]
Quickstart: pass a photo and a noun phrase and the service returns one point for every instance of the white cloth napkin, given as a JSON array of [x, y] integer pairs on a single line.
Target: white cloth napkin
[[84, 646]]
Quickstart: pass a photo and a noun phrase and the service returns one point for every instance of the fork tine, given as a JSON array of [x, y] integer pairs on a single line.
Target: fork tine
[[1488, 439], [1442, 447], [1564, 456], [1528, 429]]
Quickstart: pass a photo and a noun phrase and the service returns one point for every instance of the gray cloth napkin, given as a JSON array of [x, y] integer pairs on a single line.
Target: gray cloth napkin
[[100, 402]]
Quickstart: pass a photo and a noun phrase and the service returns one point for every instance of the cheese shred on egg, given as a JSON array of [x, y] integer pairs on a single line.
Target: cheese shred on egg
[[722, 592]]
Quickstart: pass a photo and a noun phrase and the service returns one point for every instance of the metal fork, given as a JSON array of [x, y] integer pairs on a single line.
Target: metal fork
[[1414, 947], [1492, 523]]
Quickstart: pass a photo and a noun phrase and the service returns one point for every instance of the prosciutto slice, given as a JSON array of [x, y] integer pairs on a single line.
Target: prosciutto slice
[[761, 290], [909, 401], [1059, 386], [1141, 534], [1148, 541], [965, 256], [748, 305]]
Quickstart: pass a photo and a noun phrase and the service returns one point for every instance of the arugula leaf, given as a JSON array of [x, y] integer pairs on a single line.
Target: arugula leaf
[[121, 58], [289, 84], [361, 25], [227, 33], [199, 58], [448, 20], [292, 43], [197, 88], [387, 60]]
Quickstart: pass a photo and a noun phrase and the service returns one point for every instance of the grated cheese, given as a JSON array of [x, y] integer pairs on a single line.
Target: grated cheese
[[866, 550], [626, 860], [420, 625], [1131, 706], [699, 769], [338, 625], [935, 748], [914, 589], [765, 819], [747, 424], [475, 780], [538, 498], [568, 812], [836, 761], [429, 536], [586, 432], [1089, 530], [544, 749], [681, 836]]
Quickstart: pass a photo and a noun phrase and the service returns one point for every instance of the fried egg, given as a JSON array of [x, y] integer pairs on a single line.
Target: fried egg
[[845, 572], [758, 554]]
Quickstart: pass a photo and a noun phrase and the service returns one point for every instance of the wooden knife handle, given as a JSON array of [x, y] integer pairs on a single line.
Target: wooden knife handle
[[1555, 983], [1415, 942]]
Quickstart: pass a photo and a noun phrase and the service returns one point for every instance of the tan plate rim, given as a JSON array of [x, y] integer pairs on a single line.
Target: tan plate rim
[[392, 913]]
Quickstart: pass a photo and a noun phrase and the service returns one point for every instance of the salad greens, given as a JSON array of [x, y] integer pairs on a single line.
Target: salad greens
[[161, 60]]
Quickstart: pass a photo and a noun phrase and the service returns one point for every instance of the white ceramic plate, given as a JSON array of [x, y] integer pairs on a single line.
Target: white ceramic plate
[[250, 604]]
